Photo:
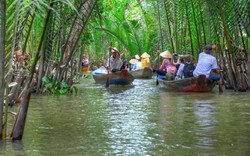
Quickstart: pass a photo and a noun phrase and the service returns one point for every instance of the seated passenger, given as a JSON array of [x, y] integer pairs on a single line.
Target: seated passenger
[[207, 65], [186, 69], [145, 61], [167, 66]]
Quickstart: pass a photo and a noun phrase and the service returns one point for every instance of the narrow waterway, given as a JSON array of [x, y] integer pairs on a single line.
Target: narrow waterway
[[135, 120]]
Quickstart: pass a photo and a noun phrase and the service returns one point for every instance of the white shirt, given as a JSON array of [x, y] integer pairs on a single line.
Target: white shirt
[[137, 66], [206, 63], [180, 71], [115, 63]]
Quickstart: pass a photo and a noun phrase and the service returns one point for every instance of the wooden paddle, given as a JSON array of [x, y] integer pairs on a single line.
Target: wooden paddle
[[107, 80], [220, 85], [158, 65]]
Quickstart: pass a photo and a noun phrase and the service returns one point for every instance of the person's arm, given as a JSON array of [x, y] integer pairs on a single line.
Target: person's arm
[[215, 68], [162, 65], [180, 70], [173, 62]]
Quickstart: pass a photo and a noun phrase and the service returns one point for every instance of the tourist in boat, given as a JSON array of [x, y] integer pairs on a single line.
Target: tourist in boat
[[132, 63], [85, 64], [186, 67], [207, 64], [145, 61], [167, 66], [180, 61], [138, 63], [85, 61], [114, 63]]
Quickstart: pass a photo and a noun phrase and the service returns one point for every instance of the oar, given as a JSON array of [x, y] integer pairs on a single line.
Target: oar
[[107, 80], [220, 85], [158, 65]]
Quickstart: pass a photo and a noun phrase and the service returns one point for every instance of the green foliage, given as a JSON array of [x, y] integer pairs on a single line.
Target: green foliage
[[60, 88]]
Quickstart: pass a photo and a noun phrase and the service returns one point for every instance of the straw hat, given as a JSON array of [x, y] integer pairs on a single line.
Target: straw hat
[[145, 55], [166, 54], [114, 49], [133, 61], [137, 57]]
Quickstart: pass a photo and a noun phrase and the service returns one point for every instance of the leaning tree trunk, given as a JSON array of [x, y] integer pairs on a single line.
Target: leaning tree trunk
[[198, 34], [78, 26], [2, 48], [18, 128], [189, 28], [160, 27], [169, 27]]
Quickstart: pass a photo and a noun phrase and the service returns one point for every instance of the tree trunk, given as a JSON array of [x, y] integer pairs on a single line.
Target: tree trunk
[[198, 34], [2, 49], [14, 93], [76, 30], [169, 29], [189, 28], [18, 128], [159, 23]]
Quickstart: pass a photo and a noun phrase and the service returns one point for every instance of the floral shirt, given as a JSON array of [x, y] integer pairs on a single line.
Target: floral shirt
[[167, 66]]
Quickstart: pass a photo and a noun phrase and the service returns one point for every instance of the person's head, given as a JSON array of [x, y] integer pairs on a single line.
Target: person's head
[[85, 56], [214, 47], [137, 57], [175, 57], [181, 58], [188, 58], [133, 60], [115, 52], [208, 49], [166, 55]]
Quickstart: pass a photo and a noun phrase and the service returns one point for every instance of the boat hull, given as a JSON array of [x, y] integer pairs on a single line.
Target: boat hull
[[118, 78], [145, 73], [200, 84]]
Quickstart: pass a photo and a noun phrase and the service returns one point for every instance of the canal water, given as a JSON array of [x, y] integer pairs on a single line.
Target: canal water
[[140, 120]]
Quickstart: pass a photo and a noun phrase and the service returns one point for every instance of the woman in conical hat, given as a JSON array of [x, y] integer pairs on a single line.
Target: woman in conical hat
[[167, 66], [145, 62]]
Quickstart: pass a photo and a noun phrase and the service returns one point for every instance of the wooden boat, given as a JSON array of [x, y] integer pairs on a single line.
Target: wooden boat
[[145, 73], [193, 84], [118, 78]]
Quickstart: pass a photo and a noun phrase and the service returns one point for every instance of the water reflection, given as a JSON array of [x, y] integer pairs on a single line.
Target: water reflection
[[139, 119], [128, 117]]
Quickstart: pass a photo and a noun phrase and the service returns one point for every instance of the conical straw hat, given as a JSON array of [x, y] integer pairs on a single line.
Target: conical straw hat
[[137, 57], [145, 55], [166, 54], [114, 49], [133, 61]]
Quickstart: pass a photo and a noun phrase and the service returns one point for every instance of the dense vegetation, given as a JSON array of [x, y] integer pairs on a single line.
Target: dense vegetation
[[42, 41]]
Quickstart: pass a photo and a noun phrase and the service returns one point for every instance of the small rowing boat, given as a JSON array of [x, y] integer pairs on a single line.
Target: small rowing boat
[[145, 73], [193, 84], [122, 77]]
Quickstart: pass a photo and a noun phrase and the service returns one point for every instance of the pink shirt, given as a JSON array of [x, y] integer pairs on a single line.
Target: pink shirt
[[167, 66]]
